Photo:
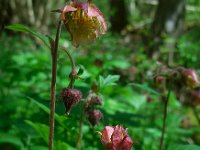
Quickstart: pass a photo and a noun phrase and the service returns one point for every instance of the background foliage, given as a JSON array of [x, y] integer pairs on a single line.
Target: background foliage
[[119, 61]]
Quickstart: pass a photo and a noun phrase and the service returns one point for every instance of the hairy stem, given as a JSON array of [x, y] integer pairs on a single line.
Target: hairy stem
[[196, 114], [54, 50], [166, 100]]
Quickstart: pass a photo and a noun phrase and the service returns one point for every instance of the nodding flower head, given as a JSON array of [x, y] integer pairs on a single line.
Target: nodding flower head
[[91, 101], [94, 116], [190, 78], [84, 21], [195, 98], [70, 97]]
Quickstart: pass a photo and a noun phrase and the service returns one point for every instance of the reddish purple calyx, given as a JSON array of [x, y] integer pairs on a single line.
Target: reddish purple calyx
[[70, 97], [116, 138]]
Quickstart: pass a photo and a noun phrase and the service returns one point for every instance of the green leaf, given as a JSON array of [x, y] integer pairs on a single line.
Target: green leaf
[[59, 145], [81, 70], [59, 119], [38, 147], [22, 28], [183, 147], [121, 64], [42, 129], [109, 80], [144, 87], [12, 139]]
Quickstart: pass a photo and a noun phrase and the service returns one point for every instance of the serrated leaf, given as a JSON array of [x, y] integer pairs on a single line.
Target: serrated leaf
[[109, 80], [183, 147], [22, 28], [41, 129]]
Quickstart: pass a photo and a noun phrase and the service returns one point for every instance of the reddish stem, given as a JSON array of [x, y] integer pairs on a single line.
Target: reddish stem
[[54, 50]]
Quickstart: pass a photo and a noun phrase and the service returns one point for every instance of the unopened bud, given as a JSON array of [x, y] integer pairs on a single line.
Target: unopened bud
[[94, 116], [70, 97], [195, 98]]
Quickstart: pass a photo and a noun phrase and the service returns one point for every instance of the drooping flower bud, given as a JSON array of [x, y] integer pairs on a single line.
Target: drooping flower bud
[[116, 138], [91, 101], [70, 97], [190, 78], [160, 82], [195, 98], [84, 21], [94, 116]]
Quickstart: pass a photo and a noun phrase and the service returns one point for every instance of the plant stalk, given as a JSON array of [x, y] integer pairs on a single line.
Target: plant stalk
[[80, 131], [166, 100], [54, 50]]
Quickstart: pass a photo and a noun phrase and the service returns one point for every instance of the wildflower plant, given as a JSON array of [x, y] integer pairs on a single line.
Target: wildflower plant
[[85, 23], [184, 82]]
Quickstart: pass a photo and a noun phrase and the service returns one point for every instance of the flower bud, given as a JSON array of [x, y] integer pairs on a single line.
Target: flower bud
[[160, 83], [195, 98], [190, 78], [94, 116], [160, 80], [84, 21], [96, 100], [70, 97], [116, 138], [92, 100]]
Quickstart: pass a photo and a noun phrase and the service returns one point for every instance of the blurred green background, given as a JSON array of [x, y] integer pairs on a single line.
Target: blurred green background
[[141, 33]]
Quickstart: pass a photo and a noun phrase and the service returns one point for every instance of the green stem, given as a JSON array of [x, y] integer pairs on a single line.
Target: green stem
[[80, 130], [166, 100], [54, 50]]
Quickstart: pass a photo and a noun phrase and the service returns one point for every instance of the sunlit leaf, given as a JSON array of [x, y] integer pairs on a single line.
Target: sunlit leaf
[[107, 81]]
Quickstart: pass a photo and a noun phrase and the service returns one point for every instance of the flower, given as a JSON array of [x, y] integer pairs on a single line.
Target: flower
[[116, 138], [94, 116], [84, 21], [70, 97], [190, 78]]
